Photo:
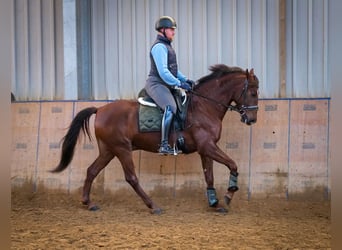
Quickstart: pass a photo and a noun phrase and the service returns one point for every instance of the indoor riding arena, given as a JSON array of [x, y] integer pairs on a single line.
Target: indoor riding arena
[[70, 54]]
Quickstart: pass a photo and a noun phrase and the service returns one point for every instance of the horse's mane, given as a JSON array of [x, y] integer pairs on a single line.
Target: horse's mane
[[219, 70]]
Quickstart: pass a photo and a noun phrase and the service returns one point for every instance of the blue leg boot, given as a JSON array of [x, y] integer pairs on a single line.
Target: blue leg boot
[[211, 195]]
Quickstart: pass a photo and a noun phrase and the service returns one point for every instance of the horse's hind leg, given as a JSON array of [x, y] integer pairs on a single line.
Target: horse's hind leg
[[93, 170], [131, 177]]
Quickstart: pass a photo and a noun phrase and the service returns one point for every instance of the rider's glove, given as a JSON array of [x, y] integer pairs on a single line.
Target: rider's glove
[[185, 85], [191, 83]]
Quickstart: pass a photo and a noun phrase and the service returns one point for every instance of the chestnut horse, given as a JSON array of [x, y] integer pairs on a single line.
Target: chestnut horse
[[117, 133]]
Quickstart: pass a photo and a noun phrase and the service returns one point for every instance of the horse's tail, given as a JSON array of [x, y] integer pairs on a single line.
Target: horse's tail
[[81, 121]]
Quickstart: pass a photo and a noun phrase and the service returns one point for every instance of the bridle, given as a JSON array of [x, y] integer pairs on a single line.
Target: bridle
[[241, 109]]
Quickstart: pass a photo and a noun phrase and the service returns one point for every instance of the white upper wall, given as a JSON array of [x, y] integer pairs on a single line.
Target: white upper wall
[[244, 33]]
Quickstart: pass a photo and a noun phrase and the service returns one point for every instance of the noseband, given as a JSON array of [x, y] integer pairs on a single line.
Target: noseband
[[241, 109]]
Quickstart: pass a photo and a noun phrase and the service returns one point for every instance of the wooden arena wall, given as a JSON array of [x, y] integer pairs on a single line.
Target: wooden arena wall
[[285, 154]]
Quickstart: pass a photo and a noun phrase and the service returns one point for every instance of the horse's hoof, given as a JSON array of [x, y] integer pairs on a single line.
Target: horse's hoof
[[156, 211], [85, 203], [93, 207], [221, 210]]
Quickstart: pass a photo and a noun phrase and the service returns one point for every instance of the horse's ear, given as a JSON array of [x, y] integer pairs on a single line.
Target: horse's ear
[[250, 74]]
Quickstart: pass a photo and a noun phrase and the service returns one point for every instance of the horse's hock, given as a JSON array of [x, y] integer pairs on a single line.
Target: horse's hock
[[285, 154]]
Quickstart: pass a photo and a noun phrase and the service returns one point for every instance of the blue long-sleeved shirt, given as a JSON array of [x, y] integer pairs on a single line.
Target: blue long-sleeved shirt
[[159, 54]]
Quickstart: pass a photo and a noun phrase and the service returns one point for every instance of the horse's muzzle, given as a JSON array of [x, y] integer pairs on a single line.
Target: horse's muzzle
[[250, 122], [247, 120]]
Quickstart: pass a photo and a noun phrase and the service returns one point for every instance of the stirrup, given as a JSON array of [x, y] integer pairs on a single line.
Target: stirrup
[[167, 150]]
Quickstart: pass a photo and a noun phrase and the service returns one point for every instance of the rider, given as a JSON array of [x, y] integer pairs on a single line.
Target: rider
[[164, 76]]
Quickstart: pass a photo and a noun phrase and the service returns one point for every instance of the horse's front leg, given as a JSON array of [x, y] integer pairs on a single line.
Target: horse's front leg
[[207, 165], [212, 152]]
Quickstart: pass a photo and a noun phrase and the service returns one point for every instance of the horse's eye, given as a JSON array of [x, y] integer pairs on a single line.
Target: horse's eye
[[254, 93]]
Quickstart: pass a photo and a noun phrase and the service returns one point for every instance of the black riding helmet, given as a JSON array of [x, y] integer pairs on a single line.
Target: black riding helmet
[[165, 22]]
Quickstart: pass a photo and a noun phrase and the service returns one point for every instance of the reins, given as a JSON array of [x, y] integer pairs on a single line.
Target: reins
[[242, 109], [229, 107]]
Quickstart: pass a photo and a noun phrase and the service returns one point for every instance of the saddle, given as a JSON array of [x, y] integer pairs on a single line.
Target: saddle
[[150, 115]]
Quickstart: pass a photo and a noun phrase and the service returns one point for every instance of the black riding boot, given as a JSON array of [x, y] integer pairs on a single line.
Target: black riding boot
[[165, 129]]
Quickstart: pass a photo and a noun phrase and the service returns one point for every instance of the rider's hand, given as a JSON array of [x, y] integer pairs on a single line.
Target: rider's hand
[[185, 85], [191, 83]]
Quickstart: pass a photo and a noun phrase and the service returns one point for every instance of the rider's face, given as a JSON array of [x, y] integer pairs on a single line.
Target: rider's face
[[170, 33]]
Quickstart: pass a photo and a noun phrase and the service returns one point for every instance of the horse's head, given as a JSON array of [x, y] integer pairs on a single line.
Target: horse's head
[[247, 98], [235, 89]]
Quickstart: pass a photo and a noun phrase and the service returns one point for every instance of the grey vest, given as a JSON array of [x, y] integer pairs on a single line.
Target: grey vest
[[171, 58]]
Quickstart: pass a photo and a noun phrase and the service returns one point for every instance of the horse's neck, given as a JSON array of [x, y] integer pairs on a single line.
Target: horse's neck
[[208, 105], [217, 94]]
